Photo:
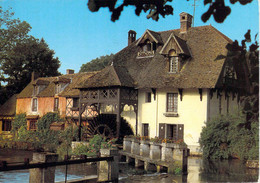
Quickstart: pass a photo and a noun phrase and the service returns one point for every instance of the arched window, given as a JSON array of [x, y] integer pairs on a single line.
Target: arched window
[[174, 64], [173, 61]]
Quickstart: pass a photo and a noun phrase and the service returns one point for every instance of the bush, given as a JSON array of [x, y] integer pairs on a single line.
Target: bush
[[224, 137], [95, 144], [46, 120], [19, 121]]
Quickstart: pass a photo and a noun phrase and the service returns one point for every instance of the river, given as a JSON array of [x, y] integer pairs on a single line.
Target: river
[[198, 171]]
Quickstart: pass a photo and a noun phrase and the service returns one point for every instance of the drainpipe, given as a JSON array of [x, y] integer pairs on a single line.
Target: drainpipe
[[157, 114]]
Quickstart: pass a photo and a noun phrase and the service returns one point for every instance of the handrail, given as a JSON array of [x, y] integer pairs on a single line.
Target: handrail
[[5, 167]]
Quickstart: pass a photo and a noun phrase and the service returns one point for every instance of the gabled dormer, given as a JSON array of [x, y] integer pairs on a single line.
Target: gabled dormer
[[176, 52], [39, 85], [148, 44], [60, 84]]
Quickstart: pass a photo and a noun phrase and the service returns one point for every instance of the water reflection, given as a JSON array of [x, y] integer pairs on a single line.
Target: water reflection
[[227, 171], [198, 171]]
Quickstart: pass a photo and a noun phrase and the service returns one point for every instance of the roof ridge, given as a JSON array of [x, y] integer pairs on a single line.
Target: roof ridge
[[221, 34], [117, 77]]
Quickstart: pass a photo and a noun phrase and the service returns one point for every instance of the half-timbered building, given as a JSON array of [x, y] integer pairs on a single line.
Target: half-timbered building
[[171, 80]]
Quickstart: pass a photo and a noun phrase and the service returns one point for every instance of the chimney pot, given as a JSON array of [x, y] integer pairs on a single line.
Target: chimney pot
[[131, 37], [186, 21], [69, 71]]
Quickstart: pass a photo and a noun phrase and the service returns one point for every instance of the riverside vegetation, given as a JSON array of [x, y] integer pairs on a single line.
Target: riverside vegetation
[[44, 139], [225, 137]]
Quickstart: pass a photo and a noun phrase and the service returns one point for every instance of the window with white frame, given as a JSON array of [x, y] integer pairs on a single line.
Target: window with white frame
[[173, 67], [172, 102], [56, 104], [34, 104]]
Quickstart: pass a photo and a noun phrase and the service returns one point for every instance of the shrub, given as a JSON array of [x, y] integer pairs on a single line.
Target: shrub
[[224, 137], [19, 121], [46, 120], [95, 144]]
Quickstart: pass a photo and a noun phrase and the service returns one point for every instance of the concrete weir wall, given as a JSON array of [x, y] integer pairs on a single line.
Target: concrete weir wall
[[43, 175], [107, 167], [152, 154]]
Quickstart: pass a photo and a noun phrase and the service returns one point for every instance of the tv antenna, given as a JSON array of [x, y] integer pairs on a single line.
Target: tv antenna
[[194, 5]]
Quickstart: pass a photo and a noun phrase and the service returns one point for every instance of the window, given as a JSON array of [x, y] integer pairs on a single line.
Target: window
[[75, 102], [148, 97], [147, 46], [7, 125], [173, 67], [32, 124], [172, 102], [146, 130], [56, 104], [34, 104], [171, 131]]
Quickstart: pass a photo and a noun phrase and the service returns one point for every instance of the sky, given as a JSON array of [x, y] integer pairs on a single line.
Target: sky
[[77, 35]]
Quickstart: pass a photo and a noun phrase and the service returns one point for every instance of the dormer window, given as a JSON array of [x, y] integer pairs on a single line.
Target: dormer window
[[37, 89], [174, 61], [148, 49], [60, 84], [148, 44], [174, 64]]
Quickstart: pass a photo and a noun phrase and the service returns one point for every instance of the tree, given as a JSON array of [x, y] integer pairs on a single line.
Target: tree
[[20, 55], [217, 8], [245, 59], [12, 31], [24, 58], [97, 64]]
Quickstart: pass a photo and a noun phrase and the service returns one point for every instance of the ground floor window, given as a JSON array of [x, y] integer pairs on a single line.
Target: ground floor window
[[171, 131], [6, 125], [146, 130], [32, 124]]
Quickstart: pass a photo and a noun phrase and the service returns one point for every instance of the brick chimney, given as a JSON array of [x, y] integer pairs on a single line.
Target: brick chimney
[[34, 76], [131, 37], [69, 71], [186, 21]]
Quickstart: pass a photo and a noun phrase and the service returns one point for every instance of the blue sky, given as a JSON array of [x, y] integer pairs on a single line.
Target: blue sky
[[78, 35]]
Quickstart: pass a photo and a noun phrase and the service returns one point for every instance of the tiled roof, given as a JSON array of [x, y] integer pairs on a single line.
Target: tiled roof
[[49, 90], [9, 107], [109, 76], [200, 70]]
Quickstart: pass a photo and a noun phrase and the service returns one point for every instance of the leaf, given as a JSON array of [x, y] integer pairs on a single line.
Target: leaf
[[207, 2], [253, 47], [248, 36]]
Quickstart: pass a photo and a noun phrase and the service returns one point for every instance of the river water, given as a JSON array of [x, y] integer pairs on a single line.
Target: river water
[[198, 171]]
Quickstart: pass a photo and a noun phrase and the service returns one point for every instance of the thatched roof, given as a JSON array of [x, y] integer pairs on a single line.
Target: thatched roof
[[109, 76], [200, 70], [49, 83], [9, 107]]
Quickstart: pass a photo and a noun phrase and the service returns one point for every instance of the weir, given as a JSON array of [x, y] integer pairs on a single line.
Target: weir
[[152, 155], [42, 167]]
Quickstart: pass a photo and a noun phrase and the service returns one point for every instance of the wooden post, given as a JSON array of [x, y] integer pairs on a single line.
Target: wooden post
[[108, 170], [118, 117], [80, 113], [43, 175]]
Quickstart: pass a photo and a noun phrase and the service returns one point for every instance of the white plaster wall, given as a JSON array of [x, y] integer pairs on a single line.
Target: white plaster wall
[[147, 112], [191, 112]]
